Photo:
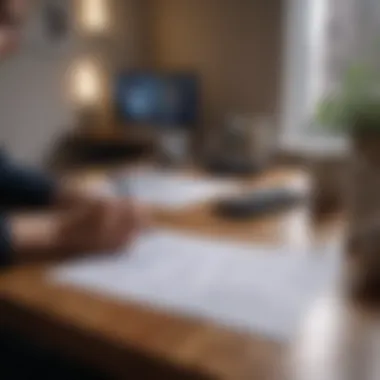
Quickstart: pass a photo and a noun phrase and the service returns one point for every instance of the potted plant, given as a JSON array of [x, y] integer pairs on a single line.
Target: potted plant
[[354, 109]]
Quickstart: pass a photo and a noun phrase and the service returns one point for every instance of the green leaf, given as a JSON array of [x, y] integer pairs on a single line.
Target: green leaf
[[356, 104]]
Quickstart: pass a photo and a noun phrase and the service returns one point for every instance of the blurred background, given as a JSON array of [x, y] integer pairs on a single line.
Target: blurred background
[[272, 61], [247, 122]]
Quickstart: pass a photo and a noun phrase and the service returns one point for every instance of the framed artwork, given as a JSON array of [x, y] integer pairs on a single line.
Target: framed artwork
[[49, 27]]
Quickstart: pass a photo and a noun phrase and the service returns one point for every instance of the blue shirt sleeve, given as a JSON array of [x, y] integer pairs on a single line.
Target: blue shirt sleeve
[[20, 187], [5, 243], [23, 187]]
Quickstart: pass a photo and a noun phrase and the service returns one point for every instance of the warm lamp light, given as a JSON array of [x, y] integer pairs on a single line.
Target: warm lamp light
[[87, 88], [86, 83], [95, 15]]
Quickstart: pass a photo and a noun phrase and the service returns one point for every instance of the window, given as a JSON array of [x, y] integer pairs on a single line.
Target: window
[[317, 45]]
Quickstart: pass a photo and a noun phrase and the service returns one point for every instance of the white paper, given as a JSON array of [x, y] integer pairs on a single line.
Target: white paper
[[259, 289], [169, 189]]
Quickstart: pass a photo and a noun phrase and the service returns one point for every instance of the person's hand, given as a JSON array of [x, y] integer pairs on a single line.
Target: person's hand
[[99, 225], [103, 224]]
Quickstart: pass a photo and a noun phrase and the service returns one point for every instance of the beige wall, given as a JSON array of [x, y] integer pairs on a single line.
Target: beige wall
[[34, 109], [234, 45]]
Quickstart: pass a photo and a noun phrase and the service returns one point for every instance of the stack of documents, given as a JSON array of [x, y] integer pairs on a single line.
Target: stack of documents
[[247, 287]]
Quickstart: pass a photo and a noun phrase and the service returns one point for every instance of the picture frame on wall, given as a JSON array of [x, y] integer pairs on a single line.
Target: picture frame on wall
[[49, 28]]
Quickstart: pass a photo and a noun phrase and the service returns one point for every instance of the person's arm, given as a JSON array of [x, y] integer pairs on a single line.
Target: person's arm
[[98, 227], [28, 238], [22, 237], [24, 187], [5, 243], [82, 222]]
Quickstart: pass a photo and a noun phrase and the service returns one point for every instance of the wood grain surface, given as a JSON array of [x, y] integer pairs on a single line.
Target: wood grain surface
[[127, 340]]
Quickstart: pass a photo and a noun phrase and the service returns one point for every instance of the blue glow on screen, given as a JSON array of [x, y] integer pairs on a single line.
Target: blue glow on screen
[[155, 99]]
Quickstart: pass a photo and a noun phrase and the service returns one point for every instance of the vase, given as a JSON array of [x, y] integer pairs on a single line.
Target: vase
[[363, 244], [364, 189]]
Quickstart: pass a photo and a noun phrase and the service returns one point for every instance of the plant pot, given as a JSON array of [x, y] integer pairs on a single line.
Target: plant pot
[[364, 186], [329, 175], [363, 247]]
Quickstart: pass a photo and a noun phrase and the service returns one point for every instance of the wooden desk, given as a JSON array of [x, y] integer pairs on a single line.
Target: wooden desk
[[130, 341]]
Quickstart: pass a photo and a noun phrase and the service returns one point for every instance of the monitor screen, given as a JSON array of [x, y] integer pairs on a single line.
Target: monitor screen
[[167, 100]]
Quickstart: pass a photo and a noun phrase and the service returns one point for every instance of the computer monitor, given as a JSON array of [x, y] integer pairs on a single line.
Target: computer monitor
[[166, 100]]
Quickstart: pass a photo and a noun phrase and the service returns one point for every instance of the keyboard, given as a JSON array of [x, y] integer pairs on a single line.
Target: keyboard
[[258, 203]]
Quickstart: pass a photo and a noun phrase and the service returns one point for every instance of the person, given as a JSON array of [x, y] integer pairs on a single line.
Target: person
[[74, 222], [77, 221]]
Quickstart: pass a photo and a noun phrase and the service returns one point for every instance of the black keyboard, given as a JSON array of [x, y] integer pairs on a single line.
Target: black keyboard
[[258, 203]]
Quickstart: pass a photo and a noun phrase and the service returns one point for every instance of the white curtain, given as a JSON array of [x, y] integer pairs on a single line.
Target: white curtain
[[323, 37], [352, 33]]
